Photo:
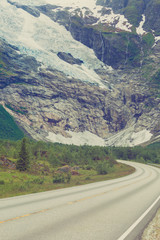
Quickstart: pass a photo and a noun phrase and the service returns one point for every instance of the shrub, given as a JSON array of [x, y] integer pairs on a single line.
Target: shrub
[[58, 178], [2, 182], [68, 177], [38, 180], [22, 188], [88, 167], [88, 178], [102, 168], [61, 178]]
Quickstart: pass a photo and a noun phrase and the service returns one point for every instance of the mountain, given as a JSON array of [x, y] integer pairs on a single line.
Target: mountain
[[82, 72]]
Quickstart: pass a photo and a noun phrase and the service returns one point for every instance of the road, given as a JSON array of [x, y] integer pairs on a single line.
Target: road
[[110, 210]]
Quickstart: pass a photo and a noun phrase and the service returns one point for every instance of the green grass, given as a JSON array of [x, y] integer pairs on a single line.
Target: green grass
[[148, 39], [14, 183], [8, 127]]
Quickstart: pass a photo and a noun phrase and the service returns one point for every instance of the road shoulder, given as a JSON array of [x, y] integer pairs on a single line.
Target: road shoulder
[[152, 232]]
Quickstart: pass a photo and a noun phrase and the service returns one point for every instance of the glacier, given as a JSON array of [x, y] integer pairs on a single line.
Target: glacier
[[42, 39]]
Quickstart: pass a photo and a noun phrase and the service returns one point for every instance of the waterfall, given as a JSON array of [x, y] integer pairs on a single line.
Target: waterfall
[[103, 48], [70, 23], [140, 31], [141, 53], [126, 53]]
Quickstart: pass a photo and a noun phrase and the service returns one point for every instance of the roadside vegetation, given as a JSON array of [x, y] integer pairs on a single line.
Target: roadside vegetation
[[149, 154], [27, 166]]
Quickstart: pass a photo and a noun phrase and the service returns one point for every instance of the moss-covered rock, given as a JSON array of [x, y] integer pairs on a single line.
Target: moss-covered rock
[[156, 78], [152, 13], [14, 66], [133, 10], [114, 49]]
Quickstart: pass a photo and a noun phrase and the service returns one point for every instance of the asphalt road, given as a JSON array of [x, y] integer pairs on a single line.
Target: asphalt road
[[110, 210]]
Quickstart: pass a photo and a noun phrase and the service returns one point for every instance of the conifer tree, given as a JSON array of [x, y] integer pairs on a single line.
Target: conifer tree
[[23, 160]]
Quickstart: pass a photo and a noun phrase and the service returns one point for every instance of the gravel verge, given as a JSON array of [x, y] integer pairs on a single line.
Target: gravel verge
[[152, 232]]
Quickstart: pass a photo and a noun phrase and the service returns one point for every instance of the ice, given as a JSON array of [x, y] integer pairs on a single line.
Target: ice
[[43, 38], [64, 3]]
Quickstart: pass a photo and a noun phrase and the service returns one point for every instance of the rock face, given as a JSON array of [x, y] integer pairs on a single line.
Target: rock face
[[106, 46], [114, 41], [54, 87], [67, 57], [152, 10], [133, 10]]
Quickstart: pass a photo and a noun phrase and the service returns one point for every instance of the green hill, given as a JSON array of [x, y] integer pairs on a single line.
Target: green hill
[[8, 127]]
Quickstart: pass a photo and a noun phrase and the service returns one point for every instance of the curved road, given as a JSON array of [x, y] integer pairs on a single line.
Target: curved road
[[110, 210]]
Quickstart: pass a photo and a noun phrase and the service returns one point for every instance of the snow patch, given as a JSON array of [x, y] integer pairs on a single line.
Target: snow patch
[[129, 138], [157, 39], [80, 138], [91, 9], [140, 30], [121, 22], [117, 20]]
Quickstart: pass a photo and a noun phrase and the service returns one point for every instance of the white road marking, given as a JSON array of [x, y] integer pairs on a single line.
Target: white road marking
[[129, 230]]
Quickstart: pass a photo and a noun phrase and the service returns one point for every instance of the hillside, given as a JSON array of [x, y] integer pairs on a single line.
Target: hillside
[[8, 127]]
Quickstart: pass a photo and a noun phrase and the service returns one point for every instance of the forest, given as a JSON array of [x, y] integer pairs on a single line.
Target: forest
[[60, 154]]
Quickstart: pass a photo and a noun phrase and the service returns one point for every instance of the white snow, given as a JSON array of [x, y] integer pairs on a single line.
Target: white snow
[[126, 137], [156, 39], [80, 138], [123, 23], [120, 21], [43, 38], [139, 29], [129, 137]]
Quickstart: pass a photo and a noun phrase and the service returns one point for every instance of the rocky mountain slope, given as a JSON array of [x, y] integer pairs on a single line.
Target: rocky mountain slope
[[77, 72]]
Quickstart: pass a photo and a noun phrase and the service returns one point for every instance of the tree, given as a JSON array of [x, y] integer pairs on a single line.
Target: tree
[[23, 160]]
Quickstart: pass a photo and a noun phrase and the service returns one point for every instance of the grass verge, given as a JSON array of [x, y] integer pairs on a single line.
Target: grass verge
[[14, 183]]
